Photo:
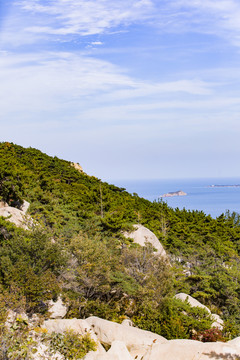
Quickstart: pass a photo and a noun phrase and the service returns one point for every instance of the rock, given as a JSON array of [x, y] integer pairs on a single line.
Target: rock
[[118, 351], [174, 193], [191, 349], [12, 316], [3, 204], [79, 326], [16, 216], [43, 352], [217, 321], [91, 355], [235, 343], [142, 235], [136, 340], [25, 206], [193, 302], [57, 309], [127, 322], [77, 166], [60, 325]]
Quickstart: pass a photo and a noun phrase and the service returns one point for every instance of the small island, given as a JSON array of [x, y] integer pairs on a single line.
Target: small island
[[213, 186], [174, 193]]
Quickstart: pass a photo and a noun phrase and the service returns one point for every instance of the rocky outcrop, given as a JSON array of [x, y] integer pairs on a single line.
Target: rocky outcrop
[[77, 166], [57, 309], [217, 321], [191, 350], [235, 342], [193, 302], [144, 345], [43, 352], [16, 216], [118, 351], [127, 322], [127, 342], [141, 235], [79, 326], [136, 340]]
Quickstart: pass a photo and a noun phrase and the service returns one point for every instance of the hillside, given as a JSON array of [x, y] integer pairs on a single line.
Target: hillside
[[76, 248]]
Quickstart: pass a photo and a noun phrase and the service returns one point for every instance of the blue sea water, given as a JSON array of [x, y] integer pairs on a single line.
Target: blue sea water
[[200, 196]]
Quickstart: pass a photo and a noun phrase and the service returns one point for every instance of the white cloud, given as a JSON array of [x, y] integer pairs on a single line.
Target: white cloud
[[54, 81], [217, 17], [96, 43], [84, 17], [41, 20]]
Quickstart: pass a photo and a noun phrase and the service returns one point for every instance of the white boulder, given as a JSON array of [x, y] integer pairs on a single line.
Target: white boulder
[[136, 340], [3, 204], [217, 321], [118, 351], [79, 326], [25, 206], [57, 309], [235, 342], [127, 322], [77, 166], [191, 301], [43, 352], [16, 216], [191, 349], [141, 235]]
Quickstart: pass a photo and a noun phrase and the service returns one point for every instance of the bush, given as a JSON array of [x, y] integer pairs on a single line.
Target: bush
[[70, 344], [209, 335], [16, 341]]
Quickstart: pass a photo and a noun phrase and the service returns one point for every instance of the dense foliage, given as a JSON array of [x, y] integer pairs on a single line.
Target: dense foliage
[[21, 339], [78, 249]]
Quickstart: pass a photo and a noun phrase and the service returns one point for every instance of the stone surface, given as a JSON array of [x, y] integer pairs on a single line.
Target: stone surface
[[77, 166], [25, 206], [193, 302], [91, 355], [16, 216], [142, 235], [127, 322], [79, 326], [235, 342], [119, 351], [43, 352], [136, 340], [191, 350], [3, 204], [218, 322], [57, 309]]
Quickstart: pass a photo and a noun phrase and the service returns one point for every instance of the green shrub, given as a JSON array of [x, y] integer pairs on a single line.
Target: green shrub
[[17, 343], [70, 344]]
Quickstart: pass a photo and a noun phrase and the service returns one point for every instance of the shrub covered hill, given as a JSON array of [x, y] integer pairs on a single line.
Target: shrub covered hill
[[75, 247]]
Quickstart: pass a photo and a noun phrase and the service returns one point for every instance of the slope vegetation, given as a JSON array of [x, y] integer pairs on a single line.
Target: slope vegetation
[[76, 248]]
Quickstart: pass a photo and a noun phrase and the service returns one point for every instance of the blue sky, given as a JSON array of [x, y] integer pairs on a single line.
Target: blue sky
[[130, 89]]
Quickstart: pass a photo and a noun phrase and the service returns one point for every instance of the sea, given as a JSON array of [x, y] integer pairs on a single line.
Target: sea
[[201, 194]]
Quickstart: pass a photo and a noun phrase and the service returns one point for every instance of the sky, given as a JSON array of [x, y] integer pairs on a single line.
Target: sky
[[130, 89]]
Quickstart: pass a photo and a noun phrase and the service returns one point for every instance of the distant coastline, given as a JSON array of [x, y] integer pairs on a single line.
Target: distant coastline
[[174, 193], [235, 185]]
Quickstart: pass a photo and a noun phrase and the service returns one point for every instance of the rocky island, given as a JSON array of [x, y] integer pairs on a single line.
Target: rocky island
[[174, 193], [235, 185]]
